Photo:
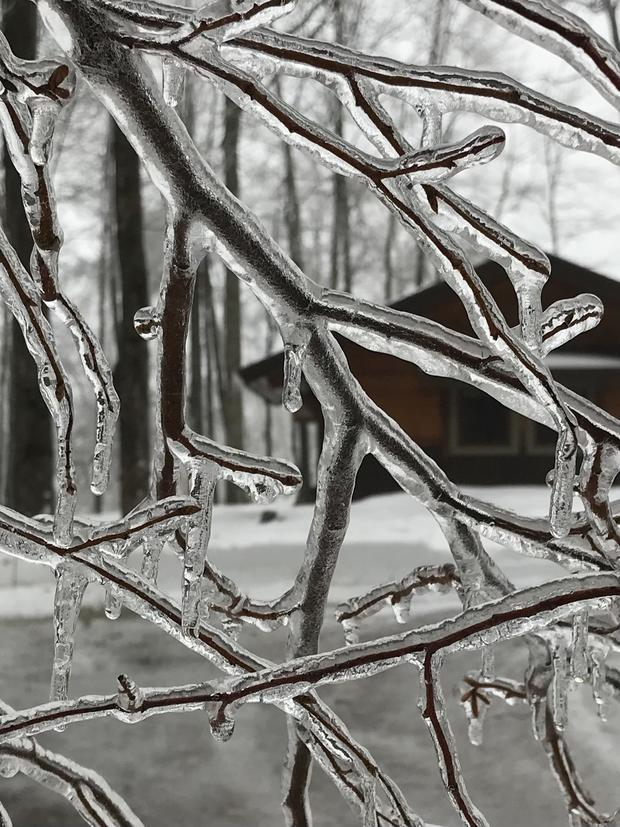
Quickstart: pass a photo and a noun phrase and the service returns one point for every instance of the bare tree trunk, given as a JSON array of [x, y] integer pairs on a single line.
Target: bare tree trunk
[[293, 211], [341, 275], [553, 165], [30, 452], [131, 374], [233, 401], [341, 268], [388, 263]]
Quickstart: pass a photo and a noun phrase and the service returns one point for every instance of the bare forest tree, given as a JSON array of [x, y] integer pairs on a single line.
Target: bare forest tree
[[28, 422], [568, 626]]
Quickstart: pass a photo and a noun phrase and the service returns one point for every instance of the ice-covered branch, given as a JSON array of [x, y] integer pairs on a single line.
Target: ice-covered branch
[[22, 297], [476, 700], [87, 791], [28, 133], [397, 594], [482, 311], [563, 33], [512, 616]]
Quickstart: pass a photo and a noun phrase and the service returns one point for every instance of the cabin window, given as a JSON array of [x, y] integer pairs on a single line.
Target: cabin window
[[480, 425], [539, 439]]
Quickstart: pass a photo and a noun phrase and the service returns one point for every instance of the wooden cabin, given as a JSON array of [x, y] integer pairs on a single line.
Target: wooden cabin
[[472, 437]]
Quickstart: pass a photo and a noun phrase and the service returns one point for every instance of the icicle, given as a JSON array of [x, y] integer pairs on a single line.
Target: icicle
[[70, 586], [574, 819], [600, 691], [579, 646], [402, 608], [291, 391], [221, 720], [538, 706], [370, 801], [9, 766], [351, 629], [560, 685], [147, 323], [44, 113], [151, 553], [487, 667], [129, 699], [203, 477], [562, 489], [476, 710], [113, 602], [173, 80]]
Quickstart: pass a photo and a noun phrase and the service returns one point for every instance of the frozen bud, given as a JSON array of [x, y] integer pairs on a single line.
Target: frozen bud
[[129, 696], [221, 720], [147, 323]]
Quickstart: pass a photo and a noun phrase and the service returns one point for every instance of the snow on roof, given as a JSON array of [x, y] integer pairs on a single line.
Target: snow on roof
[[583, 361]]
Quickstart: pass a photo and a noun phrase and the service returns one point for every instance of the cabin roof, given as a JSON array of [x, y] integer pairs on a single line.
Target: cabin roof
[[431, 302]]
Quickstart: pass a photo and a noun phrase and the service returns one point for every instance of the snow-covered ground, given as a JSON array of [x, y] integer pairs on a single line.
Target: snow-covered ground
[[172, 772], [388, 536]]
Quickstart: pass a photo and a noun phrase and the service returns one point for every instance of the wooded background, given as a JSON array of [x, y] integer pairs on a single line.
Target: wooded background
[[111, 214]]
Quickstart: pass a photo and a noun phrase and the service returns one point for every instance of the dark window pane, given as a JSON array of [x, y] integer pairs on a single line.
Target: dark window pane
[[543, 437], [481, 421]]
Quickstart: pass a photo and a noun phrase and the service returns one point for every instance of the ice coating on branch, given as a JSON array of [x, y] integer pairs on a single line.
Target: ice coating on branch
[[20, 294], [397, 595], [30, 158], [567, 318], [579, 646], [406, 465], [291, 389], [370, 802], [264, 478], [5, 818], [351, 629], [563, 33], [173, 81], [99, 374], [226, 19], [203, 478], [147, 323], [438, 162], [44, 113], [563, 485], [70, 586]]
